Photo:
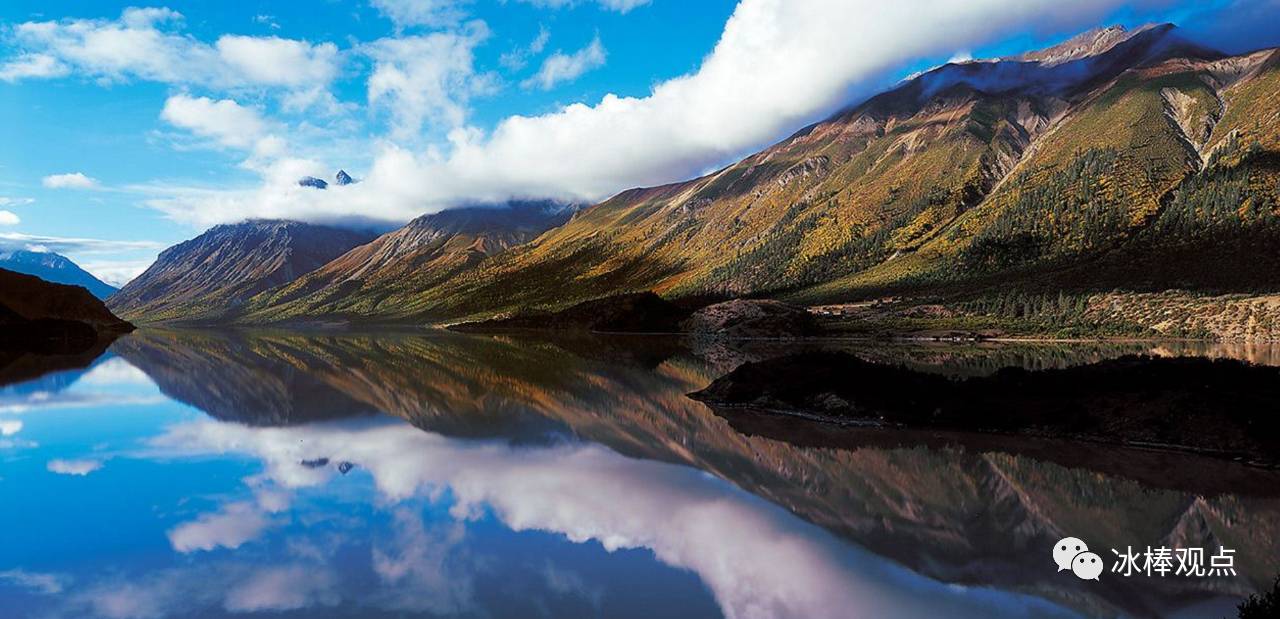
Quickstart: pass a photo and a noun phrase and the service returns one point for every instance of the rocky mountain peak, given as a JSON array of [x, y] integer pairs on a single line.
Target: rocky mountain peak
[[341, 178], [313, 182], [54, 268], [1090, 43], [228, 264]]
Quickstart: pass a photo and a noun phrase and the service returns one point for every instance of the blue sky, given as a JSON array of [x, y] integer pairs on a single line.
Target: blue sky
[[129, 129]]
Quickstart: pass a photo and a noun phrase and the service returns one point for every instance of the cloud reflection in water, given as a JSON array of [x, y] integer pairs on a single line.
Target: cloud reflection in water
[[757, 559]]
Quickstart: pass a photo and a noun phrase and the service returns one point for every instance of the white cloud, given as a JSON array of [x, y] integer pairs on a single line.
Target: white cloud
[[116, 272], [73, 467], [147, 44], [7, 443], [224, 121], [516, 59], [238, 587], [433, 13], [112, 372], [621, 6], [6, 201], [561, 67], [266, 20], [9, 427], [777, 66], [112, 270], [126, 600], [282, 588], [420, 568], [281, 62], [8, 218], [70, 180], [62, 245], [45, 401], [539, 42], [236, 524], [47, 584], [427, 79], [29, 66], [732, 540]]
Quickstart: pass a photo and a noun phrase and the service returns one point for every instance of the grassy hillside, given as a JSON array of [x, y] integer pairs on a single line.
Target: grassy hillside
[[1120, 195]]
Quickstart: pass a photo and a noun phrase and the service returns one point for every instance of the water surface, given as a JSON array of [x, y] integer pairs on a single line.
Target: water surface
[[193, 474]]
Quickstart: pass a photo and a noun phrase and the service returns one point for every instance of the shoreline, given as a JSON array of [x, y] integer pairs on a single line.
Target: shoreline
[[1041, 434], [1216, 408]]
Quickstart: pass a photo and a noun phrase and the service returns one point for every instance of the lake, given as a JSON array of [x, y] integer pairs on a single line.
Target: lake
[[211, 474]]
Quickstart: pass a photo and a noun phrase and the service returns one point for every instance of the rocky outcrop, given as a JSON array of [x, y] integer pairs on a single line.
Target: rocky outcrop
[[746, 318], [27, 298], [46, 327]]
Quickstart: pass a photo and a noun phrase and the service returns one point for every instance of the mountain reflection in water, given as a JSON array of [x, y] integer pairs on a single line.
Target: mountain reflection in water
[[441, 474]]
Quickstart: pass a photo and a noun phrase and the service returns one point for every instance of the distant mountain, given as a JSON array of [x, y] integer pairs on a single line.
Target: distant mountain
[[54, 268], [341, 178], [210, 275], [425, 252]]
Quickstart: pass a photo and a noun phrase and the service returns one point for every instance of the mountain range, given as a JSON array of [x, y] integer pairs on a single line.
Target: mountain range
[[1120, 159], [217, 271], [426, 252], [54, 268]]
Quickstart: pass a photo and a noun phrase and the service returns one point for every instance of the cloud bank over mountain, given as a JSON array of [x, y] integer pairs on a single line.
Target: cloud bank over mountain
[[776, 66], [418, 148]]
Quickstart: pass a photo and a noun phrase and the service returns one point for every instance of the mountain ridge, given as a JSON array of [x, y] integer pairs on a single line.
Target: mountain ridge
[[433, 246], [200, 278], [56, 268]]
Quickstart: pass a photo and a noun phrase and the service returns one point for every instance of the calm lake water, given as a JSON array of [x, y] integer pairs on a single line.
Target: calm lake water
[[193, 474]]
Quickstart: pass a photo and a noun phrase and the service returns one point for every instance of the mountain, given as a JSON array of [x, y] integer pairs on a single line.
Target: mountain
[[341, 178], [54, 268], [208, 276], [970, 175], [1119, 160], [424, 253], [1084, 45], [1085, 172]]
